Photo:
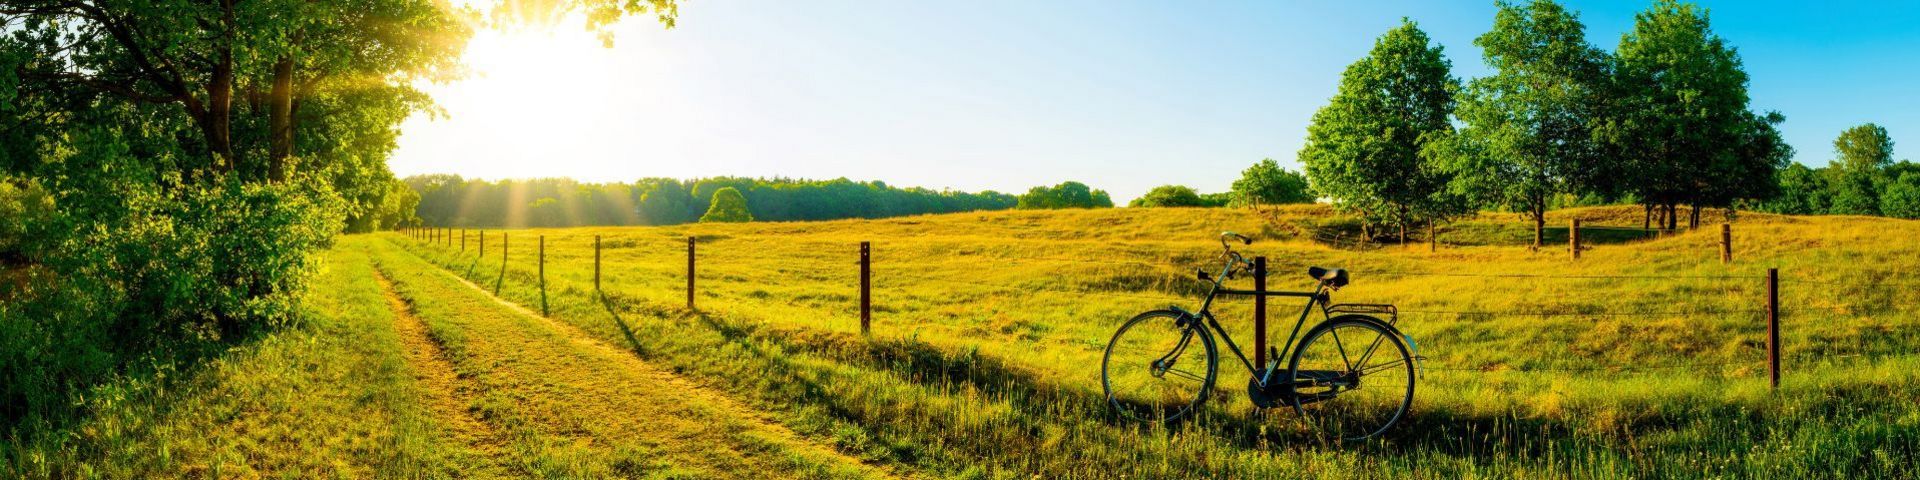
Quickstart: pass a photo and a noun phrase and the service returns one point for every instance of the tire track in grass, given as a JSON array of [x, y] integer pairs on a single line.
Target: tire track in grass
[[446, 397], [586, 408]]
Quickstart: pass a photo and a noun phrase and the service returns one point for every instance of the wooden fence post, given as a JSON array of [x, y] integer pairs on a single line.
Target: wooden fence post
[[596, 264], [1726, 243], [543, 275], [503, 252], [1260, 315], [1773, 325], [690, 272], [483, 244], [463, 240], [866, 287], [1573, 239]]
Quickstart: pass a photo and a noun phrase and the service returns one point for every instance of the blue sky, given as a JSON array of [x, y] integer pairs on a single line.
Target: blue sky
[[1005, 95]]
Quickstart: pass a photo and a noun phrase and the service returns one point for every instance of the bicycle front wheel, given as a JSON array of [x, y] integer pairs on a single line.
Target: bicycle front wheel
[[1158, 368], [1351, 378]]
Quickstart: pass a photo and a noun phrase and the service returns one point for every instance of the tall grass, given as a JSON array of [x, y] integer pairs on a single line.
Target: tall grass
[[329, 396], [989, 328]]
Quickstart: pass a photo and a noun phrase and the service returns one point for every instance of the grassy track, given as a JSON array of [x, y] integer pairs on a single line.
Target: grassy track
[[571, 406], [990, 326]]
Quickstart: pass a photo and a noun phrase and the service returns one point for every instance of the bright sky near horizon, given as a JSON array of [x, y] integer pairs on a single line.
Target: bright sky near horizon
[[1008, 94]]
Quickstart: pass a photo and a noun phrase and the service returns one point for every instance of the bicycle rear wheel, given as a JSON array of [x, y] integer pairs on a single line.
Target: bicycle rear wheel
[[1351, 378], [1157, 367]]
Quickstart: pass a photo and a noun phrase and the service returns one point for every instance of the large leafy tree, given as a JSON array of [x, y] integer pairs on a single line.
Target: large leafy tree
[[1862, 154], [1366, 149], [1678, 118], [195, 154], [1526, 137], [1265, 183]]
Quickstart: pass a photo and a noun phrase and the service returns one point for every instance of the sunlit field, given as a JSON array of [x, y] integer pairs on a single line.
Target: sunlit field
[[1645, 356]]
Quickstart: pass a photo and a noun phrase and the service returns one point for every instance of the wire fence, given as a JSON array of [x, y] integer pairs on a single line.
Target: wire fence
[[903, 271]]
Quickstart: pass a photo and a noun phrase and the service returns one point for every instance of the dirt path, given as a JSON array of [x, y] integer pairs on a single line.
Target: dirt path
[[585, 394], [446, 396]]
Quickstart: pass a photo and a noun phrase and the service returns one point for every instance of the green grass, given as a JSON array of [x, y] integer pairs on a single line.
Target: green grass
[[989, 327], [328, 397], [571, 407], [984, 358]]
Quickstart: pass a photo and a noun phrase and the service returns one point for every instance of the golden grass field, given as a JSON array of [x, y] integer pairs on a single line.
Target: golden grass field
[[1644, 358]]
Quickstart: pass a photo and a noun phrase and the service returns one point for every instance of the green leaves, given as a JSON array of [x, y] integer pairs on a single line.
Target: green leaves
[[1265, 183], [1169, 196], [728, 206], [1365, 149], [1065, 195], [1526, 136]]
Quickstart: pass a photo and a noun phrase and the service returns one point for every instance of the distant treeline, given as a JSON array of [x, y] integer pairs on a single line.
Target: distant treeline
[[449, 200]]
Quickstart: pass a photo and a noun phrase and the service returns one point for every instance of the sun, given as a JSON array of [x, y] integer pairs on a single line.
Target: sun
[[537, 101]]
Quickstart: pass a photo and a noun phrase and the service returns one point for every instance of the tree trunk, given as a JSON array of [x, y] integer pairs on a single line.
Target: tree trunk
[[218, 122], [1673, 218], [1403, 234], [1693, 218], [280, 120], [1539, 228], [1647, 222], [1433, 238]]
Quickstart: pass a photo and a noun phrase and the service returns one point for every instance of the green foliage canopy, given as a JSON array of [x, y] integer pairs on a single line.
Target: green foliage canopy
[[1526, 137], [1366, 149], [728, 206], [1169, 196], [1265, 183], [1068, 194]]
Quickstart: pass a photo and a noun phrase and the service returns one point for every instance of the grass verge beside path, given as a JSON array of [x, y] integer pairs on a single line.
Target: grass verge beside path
[[571, 406], [330, 397]]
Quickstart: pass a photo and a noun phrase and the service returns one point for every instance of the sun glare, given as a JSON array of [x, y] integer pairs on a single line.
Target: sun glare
[[537, 101]]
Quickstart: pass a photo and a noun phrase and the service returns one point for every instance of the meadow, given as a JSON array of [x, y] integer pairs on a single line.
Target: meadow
[[1643, 358]]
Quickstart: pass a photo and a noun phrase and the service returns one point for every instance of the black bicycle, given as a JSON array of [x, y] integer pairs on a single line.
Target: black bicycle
[[1350, 377]]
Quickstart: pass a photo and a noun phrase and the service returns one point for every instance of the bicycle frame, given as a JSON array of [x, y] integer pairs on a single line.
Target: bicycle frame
[[1317, 297]]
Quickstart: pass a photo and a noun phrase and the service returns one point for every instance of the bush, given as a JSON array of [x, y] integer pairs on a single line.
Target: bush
[[1064, 195], [121, 266], [1169, 196], [1901, 198], [728, 206]]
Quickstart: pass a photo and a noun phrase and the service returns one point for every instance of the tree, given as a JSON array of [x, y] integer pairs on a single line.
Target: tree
[[728, 206], [1858, 169], [1677, 117], [1901, 198], [1065, 195], [1800, 191], [1169, 196], [1265, 183], [198, 154], [1526, 137], [1366, 149]]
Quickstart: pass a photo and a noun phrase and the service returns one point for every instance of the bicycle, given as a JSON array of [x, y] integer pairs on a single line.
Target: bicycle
[[1340, 391]]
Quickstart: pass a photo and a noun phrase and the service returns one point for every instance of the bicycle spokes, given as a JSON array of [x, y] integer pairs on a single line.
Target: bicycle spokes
[[1351, 379], [1151, 370]]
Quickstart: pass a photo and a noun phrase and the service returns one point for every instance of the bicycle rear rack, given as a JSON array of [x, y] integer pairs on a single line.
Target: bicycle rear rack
[[1392, 313]]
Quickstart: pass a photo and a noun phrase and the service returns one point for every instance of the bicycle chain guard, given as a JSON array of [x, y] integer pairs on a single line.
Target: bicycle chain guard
[[1271, 395]]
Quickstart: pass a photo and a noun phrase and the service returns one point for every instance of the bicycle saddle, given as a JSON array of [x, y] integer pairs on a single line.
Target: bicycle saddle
[[1334, 277]]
